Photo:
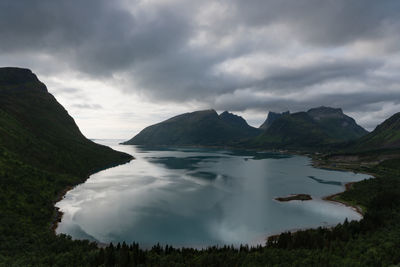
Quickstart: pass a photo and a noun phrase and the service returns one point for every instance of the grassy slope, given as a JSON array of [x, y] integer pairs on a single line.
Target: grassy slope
[[385, 136], [40, 131]]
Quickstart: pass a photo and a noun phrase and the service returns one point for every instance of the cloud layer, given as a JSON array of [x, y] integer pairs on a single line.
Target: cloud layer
[[244, 56]]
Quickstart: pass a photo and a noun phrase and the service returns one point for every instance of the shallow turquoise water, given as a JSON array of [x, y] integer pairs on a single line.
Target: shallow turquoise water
[[199, 197]]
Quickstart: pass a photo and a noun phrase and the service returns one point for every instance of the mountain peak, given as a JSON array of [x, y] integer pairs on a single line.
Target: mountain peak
[[20, 78], [238, 122], [325, 112], [203, 127], [272, 116], [227, 116]]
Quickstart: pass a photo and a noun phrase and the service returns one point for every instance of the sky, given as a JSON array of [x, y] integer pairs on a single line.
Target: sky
[[119, 66]]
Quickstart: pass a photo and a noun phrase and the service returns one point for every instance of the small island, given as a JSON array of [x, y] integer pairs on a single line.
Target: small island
[[301, 197]]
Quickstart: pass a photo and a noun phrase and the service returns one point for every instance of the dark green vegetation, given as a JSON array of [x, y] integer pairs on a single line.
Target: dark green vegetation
[[272, 116], [315, 129], [42, 152], [312, 130], [34, 126], [301, 197], [200, 128], [385, 136], [381, 144]]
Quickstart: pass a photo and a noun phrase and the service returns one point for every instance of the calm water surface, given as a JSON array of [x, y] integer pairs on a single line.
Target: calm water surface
[[198, 197]]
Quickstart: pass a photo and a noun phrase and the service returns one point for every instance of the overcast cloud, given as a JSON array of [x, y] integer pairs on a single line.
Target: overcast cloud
[[118, 66]]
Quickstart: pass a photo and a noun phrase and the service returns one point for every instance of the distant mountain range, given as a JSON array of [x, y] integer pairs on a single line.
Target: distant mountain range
[[312, 129], [31, 117], [318, 127], [200, 128]]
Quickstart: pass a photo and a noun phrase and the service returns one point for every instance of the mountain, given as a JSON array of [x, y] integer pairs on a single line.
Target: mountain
[[42, 153], [272, 116], [385, 136], [35, 127], [336, 124], [196, 128], [239, 123], [312, 129], [294, 131]]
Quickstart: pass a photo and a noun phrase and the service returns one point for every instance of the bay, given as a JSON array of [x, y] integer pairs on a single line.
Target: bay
[[198, 197]]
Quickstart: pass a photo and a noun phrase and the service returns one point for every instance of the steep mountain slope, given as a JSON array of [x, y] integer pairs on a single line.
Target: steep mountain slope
[[272, 116], [42, 152], [34, 126], [196, 128], [239, 123], [336, 124], [312, 129], [385, 136], [297, 130]]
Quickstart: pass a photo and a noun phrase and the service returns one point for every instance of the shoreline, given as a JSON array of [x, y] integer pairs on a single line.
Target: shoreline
[[57, 217], [58, 214], [332, 198], [316, 163], [329, 198]]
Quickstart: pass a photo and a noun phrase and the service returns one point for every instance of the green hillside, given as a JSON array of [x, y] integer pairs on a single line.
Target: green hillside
[[317, 128], [239, 124], [38, 129], [42, 152], [204, 128], [336, 124], [296, 130], [272, 116], [385, 136]]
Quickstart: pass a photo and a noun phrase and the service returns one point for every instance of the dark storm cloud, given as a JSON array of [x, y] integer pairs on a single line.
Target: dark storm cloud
[[365, 101], [209, 51], [327, 23], [318, 73], [99, 37]]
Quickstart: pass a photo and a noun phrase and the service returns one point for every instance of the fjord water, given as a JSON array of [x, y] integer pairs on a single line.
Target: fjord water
[[196, 197]]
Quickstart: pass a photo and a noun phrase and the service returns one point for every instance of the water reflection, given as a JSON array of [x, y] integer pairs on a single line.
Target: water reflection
[[199, 197]]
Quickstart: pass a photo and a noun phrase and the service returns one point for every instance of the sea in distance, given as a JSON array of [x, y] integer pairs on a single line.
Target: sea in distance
[[199, 197]]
